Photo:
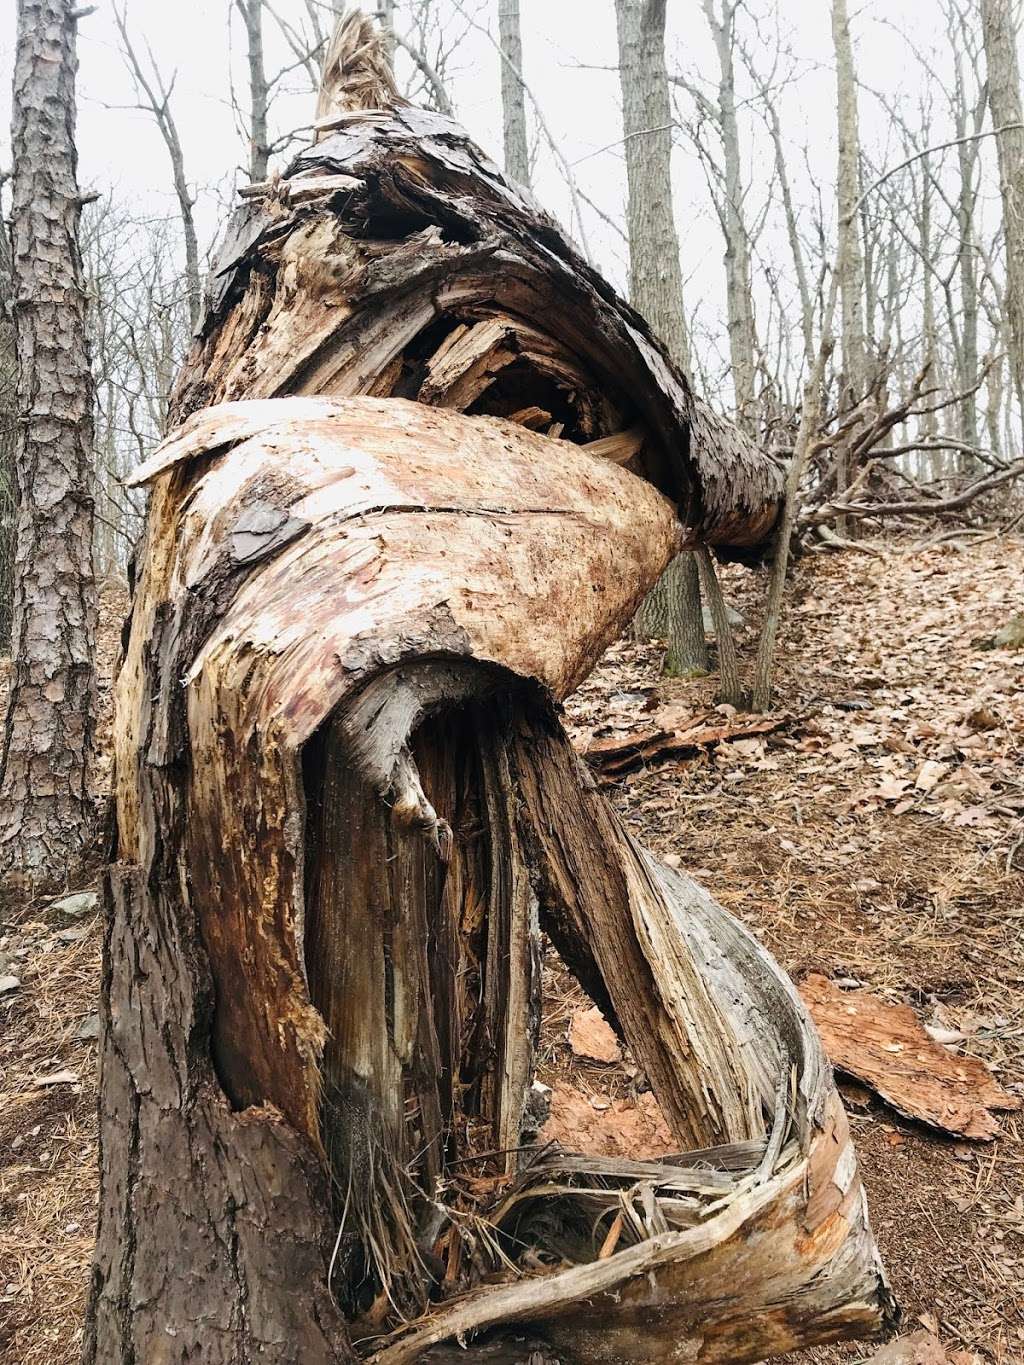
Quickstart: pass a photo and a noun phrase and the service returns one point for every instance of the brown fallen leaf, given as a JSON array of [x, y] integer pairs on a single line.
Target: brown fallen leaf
[[591, 1036], [930, 775], [886, 1047]]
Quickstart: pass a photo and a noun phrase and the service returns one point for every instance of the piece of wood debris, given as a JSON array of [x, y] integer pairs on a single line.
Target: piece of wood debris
[[56, 1078], [614, 754], [591, 1036], [887, 1048], [620, 447], [920, 1348]]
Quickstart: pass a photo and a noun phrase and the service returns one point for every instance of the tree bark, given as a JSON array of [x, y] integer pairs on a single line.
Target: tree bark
[[738, 284], [8, 439], [513, 95], [46, 813], [259, 148], [345, 808], [849, 260], [672, 609], [1004, 99]]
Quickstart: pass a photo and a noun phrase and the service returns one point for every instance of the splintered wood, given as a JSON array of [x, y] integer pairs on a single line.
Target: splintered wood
[[885, 1046], [427, 466], [613, 755]]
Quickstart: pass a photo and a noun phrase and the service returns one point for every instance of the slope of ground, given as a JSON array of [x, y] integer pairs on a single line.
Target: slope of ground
[[877, 837]]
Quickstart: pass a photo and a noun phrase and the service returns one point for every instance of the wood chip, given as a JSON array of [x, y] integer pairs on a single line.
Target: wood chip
[[886, 1047], [56, 1078], [591, 1036], [920, 1348]]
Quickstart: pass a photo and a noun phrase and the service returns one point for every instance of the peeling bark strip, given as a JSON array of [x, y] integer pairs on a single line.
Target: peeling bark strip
[[345, 809]]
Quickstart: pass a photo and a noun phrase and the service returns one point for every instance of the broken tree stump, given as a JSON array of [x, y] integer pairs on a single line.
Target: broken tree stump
[[346, 809]]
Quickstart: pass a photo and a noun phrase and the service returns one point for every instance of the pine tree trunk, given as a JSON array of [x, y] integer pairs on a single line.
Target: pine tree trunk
[[1004, 99], [8, 440], [345, 809], [46, 812]]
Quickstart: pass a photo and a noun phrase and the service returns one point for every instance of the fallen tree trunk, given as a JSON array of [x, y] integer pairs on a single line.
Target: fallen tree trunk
[[345, 810]]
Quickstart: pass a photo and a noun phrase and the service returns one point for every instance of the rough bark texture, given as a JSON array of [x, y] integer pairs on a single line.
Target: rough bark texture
[[1004, 98], [8, 439], [345, 807], [672, 609], [513, 95], [46, 815]]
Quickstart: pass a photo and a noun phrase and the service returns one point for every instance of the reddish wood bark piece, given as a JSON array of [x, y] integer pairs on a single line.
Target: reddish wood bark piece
[[615, 754], [920, 1348], [886, 1047], [591, 1036]]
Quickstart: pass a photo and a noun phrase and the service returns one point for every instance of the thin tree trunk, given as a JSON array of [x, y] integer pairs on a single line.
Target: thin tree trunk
[[929, 339], [738, 285], [672, 610], [46, 813], [810, 416], [157, 97], [259, 149], [730, 689], [513, 96], [1004, 99], [345, 806], [849, 261], [793, 234]]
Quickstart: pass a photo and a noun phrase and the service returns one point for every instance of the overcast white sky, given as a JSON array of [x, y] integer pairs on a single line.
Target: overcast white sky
[[121, 150]]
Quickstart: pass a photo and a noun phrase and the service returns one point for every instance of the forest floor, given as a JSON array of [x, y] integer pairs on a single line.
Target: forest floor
[[878, 835]]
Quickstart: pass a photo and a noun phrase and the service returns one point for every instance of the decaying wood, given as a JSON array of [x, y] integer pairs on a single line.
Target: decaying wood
[[885, 1046], [616, 754], [394, 259], [346, 808]]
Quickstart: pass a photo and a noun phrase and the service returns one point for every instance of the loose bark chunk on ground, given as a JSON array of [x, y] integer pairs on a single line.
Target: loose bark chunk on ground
[[885, 1046]]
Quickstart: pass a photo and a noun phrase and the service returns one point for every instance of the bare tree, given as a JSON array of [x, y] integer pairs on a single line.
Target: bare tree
[[155, 96], [251, 12], [46, 814], [850, 261], [721, 17], [1004, 97], [513, 95], [851, 265], [672, 609]]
